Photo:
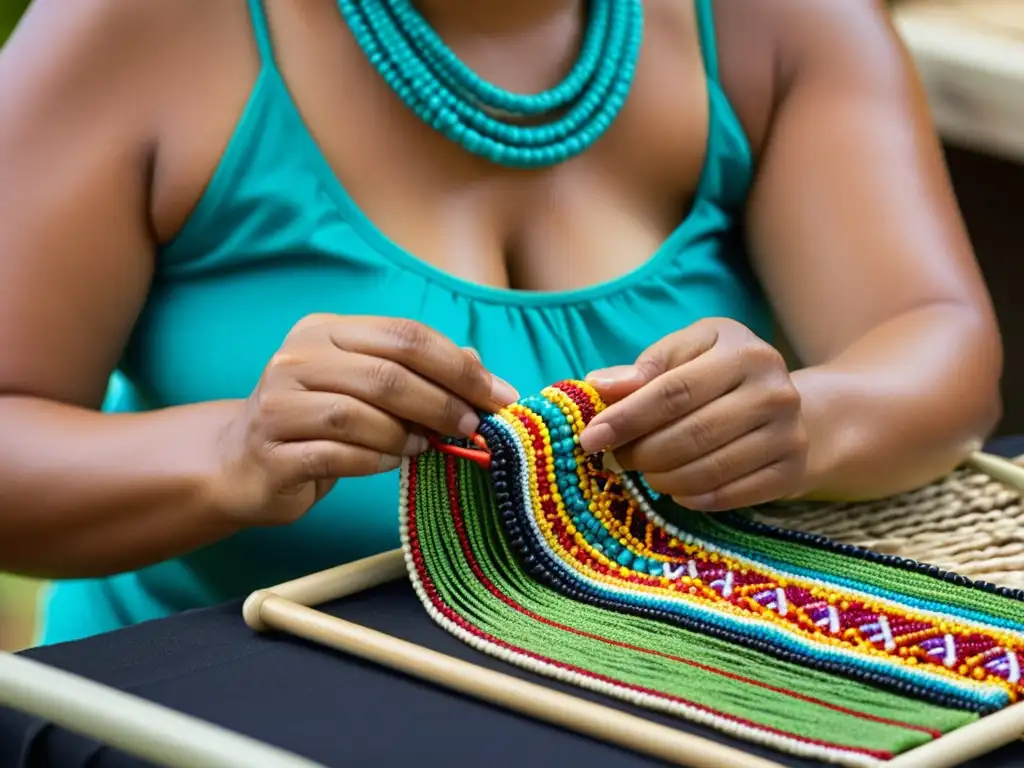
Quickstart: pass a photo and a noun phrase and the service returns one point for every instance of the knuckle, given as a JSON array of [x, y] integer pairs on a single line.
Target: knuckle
[[716, 332], [676, 393], [387, 378], [784, 397], [701, 435], [452, 411], [471, 370], [721, 465], [408, 335], [311, 321], [719, 325], [340, 416], [271, 406], [284, 363], [765, 355], [652, 363], [394, 443], [735, 361], [314, 463], [777, 474]]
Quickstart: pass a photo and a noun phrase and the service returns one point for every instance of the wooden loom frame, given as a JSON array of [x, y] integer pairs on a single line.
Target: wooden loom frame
[[172, 739], [291, 608]]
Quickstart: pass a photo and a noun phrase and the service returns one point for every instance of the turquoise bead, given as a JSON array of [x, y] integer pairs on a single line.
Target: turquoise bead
[[444, 93]]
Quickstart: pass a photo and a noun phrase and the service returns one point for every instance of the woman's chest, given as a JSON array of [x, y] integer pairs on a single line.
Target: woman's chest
[[208, 334], [585, 221]]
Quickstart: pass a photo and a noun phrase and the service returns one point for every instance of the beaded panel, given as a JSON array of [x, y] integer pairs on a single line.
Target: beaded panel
[[554, 562]]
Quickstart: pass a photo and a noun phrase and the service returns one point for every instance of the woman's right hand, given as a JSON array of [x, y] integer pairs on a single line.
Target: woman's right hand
[[345, 397]]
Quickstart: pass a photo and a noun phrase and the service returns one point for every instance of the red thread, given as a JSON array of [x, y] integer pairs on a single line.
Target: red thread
[[481, 457]]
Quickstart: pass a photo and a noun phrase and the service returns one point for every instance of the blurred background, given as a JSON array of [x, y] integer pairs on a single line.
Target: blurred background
[[970, 54]]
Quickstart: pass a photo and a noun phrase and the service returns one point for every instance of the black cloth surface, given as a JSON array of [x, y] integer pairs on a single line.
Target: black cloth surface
[[328, 706]]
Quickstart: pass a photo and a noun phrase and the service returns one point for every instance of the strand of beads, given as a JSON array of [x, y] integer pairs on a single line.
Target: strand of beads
[[444, 93]]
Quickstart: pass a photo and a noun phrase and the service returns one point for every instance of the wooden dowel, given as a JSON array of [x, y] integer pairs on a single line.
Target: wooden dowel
[[149, 731], [998, 468], [963, 744], [332, 584], [601, 722]]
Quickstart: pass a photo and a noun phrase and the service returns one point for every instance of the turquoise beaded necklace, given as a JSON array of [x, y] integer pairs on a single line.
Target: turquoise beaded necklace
[[479, 116]]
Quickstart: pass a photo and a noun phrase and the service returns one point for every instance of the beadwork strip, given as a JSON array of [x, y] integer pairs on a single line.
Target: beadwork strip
[[554, 563]]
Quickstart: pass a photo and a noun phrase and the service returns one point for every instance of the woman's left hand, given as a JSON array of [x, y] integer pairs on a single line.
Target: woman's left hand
[[709, 415]]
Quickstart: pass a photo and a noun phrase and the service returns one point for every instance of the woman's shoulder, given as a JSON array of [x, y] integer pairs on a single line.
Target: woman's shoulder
[[765, 47], [107, 43], [160, 76]]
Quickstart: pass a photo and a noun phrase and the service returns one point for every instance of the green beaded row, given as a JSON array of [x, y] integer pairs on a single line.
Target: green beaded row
[[449, 97]]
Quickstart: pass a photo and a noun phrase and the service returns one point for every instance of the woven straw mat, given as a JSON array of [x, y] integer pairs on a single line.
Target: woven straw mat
[[967, 523]]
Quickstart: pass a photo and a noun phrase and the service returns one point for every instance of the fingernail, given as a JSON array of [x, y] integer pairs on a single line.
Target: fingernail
[[503, 392], [619, 374], [389, 463], [597, 438], [468, 424], [415, 445]]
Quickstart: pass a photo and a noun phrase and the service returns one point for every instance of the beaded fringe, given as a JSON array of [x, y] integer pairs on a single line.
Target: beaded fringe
[[780, 637]]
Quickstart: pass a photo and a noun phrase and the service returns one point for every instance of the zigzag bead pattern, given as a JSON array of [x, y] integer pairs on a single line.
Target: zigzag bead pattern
[[893, 655]]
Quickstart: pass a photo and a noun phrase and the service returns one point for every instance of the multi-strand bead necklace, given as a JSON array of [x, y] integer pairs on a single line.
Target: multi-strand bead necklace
[[510, 129]]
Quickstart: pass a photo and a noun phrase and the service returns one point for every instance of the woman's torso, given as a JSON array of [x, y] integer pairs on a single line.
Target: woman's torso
[[326, 195]]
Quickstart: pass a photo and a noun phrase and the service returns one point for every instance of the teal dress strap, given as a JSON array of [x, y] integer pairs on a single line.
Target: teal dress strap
[[708, 37], [261, 29]]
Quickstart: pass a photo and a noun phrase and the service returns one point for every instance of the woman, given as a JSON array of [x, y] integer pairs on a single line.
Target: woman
[[301, 250]]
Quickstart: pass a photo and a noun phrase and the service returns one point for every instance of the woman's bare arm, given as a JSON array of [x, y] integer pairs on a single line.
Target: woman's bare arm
[[857, 237], [84, 493]]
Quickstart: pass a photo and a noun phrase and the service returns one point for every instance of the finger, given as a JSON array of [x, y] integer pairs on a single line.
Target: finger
[[294, 464], [429, 353], [613, 384], [667, 398], [395, 389], [767, 484], [300, 416], [697, 434], [740, 457]]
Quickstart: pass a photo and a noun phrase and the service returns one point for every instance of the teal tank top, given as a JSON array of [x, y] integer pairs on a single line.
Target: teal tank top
[[276, 237]]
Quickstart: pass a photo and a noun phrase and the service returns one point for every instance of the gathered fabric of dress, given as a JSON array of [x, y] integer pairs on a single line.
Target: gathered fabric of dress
[[276, 237]]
